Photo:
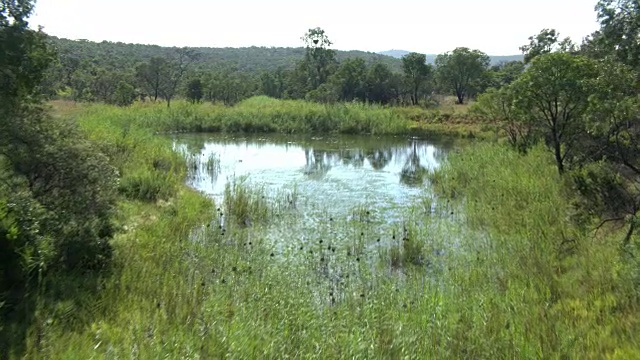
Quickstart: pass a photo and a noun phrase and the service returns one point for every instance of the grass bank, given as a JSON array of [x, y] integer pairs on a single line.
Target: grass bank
[[266, 115], [497, 271]]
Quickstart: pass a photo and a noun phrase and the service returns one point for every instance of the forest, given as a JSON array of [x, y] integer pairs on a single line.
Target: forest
[[523, 242], [118, 73]]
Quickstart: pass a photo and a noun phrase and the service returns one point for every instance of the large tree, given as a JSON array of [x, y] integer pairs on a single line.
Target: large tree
[[457, 70], [416, 72], [554, 92]]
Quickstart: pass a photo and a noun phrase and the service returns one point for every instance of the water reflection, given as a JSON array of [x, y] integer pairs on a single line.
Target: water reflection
[[413, 172], [336, 171]]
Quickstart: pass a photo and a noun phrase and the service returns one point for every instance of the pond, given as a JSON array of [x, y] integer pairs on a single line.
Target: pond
[[326, 179]]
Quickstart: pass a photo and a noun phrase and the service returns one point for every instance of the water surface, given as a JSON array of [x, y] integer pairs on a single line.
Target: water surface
[[329, 178]]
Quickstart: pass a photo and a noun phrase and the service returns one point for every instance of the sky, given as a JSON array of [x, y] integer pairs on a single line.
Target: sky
[[497, 27]]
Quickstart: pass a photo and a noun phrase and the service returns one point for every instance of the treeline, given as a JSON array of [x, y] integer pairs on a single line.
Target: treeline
[[122, 73]]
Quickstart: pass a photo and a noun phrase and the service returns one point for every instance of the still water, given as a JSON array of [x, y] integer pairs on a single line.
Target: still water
[[328, 175]]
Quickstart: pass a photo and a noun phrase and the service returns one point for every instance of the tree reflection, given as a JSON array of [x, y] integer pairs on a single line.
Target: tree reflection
[[413, 172], [353, 157], [317, 164], [379, 159]]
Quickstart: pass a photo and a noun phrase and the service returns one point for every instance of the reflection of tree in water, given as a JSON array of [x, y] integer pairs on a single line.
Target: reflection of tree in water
[[379, 159], [318, 163], [353, 157], [413, 172]]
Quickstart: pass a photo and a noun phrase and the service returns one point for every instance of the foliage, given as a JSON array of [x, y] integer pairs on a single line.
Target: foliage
[[554, 92], [545, 43], [620, 30], [416, 72], [457, 70], [499, 105], [382, 85], [350, 79], [504, 74], [194, 92], [56, 188]]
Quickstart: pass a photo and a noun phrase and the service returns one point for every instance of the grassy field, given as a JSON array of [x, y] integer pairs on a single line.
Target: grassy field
[[266, 115], [497, 271]]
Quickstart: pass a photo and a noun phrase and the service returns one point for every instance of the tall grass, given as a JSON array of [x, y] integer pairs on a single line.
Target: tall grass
[[497, 271], [266, 115]]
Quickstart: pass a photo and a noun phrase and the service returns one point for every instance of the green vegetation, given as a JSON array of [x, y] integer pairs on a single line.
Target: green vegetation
[[525, 251], [266, 115], [214, 292]]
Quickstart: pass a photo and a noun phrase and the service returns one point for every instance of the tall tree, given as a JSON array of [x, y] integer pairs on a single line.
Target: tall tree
[[319, 59], [176, 68], [416, 72], [554, 91], [457, 70]]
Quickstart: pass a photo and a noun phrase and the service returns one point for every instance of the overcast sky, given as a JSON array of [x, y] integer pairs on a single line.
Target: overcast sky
[[497, 27]]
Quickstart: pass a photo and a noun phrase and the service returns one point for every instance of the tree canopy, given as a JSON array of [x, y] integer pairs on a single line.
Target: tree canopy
[[456, 71]]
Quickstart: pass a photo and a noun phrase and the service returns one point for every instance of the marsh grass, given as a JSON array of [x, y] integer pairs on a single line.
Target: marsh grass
[[244, 205], [491, 283], [261, 114]]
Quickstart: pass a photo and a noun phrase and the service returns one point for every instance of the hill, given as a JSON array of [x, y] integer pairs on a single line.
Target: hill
[[248, 59], [431, 58]]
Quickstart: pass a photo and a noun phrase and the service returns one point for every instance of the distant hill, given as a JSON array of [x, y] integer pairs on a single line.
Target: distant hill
[[249, 59], [398, 54], [431, 58]]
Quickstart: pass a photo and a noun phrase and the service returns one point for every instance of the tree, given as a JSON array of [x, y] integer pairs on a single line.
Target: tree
[[416, 72], [498, 105], [175, 70], [57, 191], [273, 83], [350, 79], [507, 72], [380, 86], [620, 30], [610, 182], [194, 90], [544, 43], [151, 76], [125, 94], [459, 69], [554, 91], [319, 60]]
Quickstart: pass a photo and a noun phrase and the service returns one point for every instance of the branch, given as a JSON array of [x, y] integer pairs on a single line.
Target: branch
[[607, 221]]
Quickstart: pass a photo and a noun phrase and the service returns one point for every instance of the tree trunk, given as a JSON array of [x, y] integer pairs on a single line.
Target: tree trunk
[[627, 238], [558, 154], [557, 147]]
